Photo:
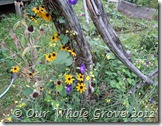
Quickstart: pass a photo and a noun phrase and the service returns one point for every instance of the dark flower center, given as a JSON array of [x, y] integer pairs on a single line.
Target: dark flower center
[[14, 68], [58, 82], [30, 74], [69, 78], [47, 15], [53, 37], [81, 77], [31, 28], [34, 16], [81, 87], [54, 54], [35, 94], [49, 56]]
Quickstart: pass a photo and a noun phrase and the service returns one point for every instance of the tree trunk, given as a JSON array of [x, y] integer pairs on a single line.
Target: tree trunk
[[61, 8], [65, 10]]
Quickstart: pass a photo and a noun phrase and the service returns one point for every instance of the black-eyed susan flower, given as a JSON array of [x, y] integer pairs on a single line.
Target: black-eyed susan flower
[[15, 69], [30, 75], [42, 9], [81, 87], [53, 55], [58, 83], [69, 79], [40, 14], [57, 35], [72, 53], [46, 16], [54, 39], [35, 10], [64, 48], [41, 89], [80, 77], [48, 57], [33, 18]]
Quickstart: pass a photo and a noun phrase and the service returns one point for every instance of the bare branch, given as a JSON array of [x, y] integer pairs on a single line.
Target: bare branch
[[86, 11], [141, 83], [111, 39]]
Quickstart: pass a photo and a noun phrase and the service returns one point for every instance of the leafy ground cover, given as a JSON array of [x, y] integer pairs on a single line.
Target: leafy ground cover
[[46, 75]]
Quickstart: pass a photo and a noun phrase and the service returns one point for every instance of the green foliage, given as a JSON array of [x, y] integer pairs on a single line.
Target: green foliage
[[147, 3], [111, 80], [150, 41]]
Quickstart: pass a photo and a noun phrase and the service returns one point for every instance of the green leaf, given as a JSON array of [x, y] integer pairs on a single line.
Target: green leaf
[[61, 20], [16, 25], [129, 80], [113, 83], [55, 104], [63, 57], [63, 93], [9, 63], [27, 91], [48, 98], [59, 88], [27, 120], [64, 39]]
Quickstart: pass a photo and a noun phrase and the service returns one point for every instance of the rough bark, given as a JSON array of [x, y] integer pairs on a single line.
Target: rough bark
[[110, 37], [135, 11], [66, 11]]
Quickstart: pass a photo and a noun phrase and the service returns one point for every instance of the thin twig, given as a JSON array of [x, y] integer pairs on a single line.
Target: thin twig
[[86, 11]]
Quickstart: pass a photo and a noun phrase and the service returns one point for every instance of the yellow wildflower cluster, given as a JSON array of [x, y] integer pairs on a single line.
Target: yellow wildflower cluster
[[42, 13], [69, 50], [71, 33], [22, 105], [50, 57], [55, 38], [72, 52]]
